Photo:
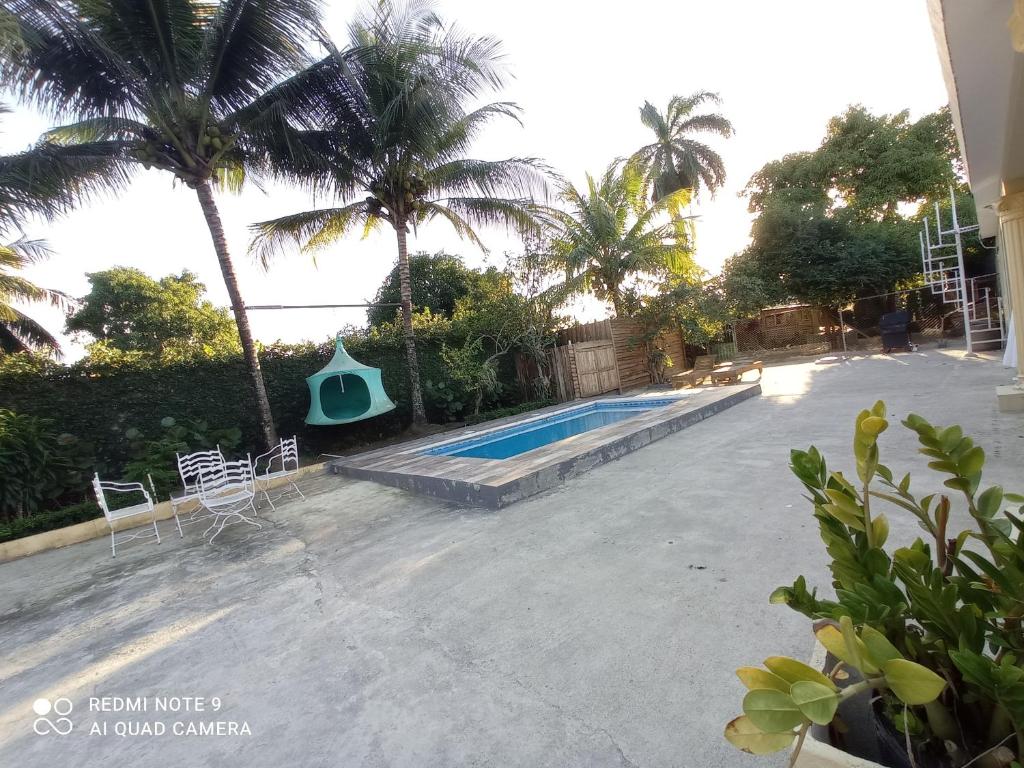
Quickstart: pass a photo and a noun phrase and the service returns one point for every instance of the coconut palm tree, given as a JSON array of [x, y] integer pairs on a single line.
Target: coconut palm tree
[[676, 160], [610, 233], [18, 331], [174, 85], [387, 130]]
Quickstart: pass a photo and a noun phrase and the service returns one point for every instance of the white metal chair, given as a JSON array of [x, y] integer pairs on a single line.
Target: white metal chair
[[190, 465], [103, 487], [281, 461], [226, 491]]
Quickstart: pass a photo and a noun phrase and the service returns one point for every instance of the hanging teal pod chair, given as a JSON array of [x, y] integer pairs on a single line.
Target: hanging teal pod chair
[[345, 390]]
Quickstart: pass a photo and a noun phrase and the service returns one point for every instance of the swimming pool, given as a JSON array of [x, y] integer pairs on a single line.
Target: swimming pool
[[520, 438]]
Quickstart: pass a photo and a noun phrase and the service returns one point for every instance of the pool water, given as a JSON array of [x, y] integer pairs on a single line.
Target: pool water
[[520, 438]]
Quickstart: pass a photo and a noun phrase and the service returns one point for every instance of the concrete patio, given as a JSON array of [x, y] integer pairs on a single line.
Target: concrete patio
[[597, 624]]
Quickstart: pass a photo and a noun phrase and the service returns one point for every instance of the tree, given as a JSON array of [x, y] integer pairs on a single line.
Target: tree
[[389, 119], [675, 160], [168, 319], [611, 234], [830, 225], [437, 282], [18, 331], [867, 165], [173, 86]]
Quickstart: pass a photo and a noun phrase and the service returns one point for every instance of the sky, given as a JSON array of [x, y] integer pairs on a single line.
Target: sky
[[580, 71]]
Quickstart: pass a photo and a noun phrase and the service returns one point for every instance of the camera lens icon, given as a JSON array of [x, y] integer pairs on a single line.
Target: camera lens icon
[[61, 725]]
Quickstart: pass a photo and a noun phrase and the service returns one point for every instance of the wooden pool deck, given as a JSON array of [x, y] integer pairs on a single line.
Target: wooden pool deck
[[496, 483]]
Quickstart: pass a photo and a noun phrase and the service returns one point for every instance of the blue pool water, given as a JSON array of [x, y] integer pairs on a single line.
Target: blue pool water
[[520, 438]]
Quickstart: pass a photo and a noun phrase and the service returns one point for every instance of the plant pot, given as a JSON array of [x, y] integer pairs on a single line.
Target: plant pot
[[817, 754], [892, 745]]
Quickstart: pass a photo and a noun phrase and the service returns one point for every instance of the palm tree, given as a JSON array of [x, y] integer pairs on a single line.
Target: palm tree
[[675, 160], [610, 234], [387, 131], [18, 331], [174, 85]]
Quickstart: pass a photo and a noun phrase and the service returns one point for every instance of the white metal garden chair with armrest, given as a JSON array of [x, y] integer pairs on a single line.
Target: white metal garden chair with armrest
[[280, 462], [227, 491], [146, 506], [190, 465]]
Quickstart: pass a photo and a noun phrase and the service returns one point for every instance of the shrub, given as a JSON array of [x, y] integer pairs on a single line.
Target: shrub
[[515, 410], [157, 459], [38, 466], [48, 521]]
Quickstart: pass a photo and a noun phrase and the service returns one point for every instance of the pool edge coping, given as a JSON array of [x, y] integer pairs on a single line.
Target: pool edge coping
[[543, 477]]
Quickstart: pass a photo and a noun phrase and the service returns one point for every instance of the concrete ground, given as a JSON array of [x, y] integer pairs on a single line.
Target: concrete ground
[[594, 625]]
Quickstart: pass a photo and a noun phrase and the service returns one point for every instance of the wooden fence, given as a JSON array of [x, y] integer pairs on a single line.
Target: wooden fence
[[606, 356]]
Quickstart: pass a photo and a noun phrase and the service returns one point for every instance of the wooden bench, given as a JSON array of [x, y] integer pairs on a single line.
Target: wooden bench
[[733, 373], [702, 368]]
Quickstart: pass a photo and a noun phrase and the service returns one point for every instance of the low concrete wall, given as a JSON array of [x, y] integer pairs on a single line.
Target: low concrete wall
[[94, 529]]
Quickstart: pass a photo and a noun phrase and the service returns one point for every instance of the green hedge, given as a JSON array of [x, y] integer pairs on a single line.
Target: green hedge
[[97, 404], [48, 521]]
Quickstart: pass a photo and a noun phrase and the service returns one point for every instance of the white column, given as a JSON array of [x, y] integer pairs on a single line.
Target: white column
[[1011, 241]]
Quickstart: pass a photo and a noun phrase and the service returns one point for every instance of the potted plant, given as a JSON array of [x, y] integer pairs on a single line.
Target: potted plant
[[933, 630]]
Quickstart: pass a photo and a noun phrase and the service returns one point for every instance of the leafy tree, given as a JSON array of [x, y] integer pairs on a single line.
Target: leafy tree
[[438, 281], [390, 119], [831, 223], [611, 234], [675, 160], [174, 86], [867, 165], [18, 331], [746, 286], [128, 311]]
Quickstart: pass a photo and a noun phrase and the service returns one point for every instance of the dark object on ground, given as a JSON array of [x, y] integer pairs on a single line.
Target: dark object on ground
[[895, 333]]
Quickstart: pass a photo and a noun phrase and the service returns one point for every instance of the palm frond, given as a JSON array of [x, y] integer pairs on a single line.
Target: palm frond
[[63, 65], [303, 231], [516, 215], [98, 129], [517, 176], [21, 333], [49, 179], [250, 46]]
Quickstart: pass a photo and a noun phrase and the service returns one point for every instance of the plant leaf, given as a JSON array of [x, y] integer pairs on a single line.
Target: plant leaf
[[755, 678], [817, 702], [912, 683], [772, 711], [879, 649], [793, 671], [744, 735]]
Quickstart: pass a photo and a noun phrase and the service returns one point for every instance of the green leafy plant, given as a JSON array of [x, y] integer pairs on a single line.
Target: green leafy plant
[[38, 465], [442, 396], [48, 521], [934, 628], [157, 458]]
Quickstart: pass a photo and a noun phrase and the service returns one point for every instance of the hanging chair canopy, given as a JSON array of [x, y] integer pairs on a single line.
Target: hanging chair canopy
[[345, 390]]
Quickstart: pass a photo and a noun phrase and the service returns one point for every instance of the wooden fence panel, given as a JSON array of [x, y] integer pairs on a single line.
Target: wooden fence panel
[[578, 334], [561, 374], [596, 369], [630, 353]]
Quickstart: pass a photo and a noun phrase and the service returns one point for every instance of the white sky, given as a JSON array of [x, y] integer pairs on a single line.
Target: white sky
[[580, 74]]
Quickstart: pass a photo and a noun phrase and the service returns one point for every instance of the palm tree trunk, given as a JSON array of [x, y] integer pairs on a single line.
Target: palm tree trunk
[[252, 361], [419, 415]]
